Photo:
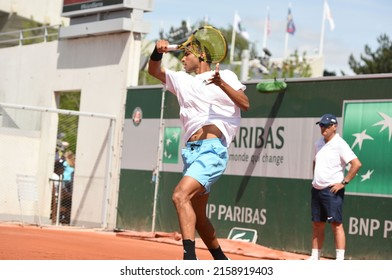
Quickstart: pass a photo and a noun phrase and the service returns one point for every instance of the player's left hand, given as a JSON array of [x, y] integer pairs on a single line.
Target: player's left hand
[[216, 78]]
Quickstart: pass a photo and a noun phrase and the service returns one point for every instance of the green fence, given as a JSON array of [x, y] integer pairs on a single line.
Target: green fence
[[267, 184]]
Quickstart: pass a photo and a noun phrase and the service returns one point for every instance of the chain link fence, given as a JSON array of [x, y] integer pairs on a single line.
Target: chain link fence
[[42, 182], [62, 179]]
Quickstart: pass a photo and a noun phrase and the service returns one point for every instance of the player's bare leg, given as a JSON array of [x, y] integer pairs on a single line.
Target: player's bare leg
[[182, 195], [204, 227]]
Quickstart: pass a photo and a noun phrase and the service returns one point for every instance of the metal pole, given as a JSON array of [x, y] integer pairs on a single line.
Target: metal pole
[[108, 175], [321, 48], [60, 111], [244, 65], [46, 34], [59, 190], [155, 173], [21, 38]]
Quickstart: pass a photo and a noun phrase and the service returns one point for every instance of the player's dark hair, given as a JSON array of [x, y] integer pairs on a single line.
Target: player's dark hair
[[197, 46]]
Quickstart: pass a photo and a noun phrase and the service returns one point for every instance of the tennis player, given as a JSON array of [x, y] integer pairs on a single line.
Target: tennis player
[[210, 111]]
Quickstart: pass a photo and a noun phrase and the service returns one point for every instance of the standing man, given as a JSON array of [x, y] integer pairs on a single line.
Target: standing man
[[332, 154], [210, 111]]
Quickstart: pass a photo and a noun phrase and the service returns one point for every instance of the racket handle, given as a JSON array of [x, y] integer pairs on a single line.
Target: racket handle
[[172, 48]]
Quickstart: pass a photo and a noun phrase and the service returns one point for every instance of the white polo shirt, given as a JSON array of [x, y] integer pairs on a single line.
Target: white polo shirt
[[331, 159], [202, 104]]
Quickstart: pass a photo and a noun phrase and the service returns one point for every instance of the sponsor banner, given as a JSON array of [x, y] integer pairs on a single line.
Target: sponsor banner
[[171, 144], [367, 128], [243, 234], [280, 148], [141, 144]]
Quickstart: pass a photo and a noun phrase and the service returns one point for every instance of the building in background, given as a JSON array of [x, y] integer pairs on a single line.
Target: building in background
[[15, 14]]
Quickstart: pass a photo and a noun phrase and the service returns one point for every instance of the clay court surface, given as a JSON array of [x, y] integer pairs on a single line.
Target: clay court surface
[[67, 243]]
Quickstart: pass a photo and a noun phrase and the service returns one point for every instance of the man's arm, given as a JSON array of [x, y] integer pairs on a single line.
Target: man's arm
[[354, 168], [154, 64], [237, 96]]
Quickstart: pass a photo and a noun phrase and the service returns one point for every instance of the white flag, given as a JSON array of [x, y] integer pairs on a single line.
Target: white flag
[[238, 27], [328, 15]]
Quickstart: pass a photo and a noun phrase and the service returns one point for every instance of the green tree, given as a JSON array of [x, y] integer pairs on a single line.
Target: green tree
[[327, 73], [372, 62], [240, 44], [68, 124], [34, 32]]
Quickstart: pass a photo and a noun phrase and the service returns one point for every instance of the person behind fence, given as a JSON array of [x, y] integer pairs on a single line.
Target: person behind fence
[[210, 105], [61, 146], [332, 155], [69, 168], [66, 201]]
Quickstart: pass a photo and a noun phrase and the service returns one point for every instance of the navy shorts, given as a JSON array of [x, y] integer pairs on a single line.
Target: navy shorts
[[327, 206], [205, 161]]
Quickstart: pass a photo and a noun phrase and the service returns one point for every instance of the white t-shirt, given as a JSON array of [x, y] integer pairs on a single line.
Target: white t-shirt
[[331, 159], [202, 104]]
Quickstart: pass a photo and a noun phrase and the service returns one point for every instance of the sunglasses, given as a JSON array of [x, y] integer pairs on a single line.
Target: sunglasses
[[326, 125]]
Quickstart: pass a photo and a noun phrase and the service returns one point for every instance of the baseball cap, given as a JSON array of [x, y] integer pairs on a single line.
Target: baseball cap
[[327, 119]]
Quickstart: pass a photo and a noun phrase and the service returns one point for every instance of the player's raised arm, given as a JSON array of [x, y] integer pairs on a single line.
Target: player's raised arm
[[154, 65], [238, 96]]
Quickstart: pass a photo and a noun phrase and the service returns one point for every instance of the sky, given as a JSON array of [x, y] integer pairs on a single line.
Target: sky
[[357, 23]]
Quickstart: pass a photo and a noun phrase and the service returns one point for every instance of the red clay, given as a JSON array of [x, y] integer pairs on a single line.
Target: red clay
[[66, 243]]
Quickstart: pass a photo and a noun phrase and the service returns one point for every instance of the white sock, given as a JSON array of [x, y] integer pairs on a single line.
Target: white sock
[[315, 254], [340, 254]]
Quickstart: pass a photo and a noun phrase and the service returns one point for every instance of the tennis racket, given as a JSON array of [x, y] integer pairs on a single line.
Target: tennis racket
[[209, 40]]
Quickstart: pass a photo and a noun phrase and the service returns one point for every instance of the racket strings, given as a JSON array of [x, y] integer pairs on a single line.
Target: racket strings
[[207, 40], [213, 42]]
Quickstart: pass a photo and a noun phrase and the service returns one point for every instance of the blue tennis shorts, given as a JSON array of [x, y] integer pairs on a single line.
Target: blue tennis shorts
[[327, 206], [205, 161]]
